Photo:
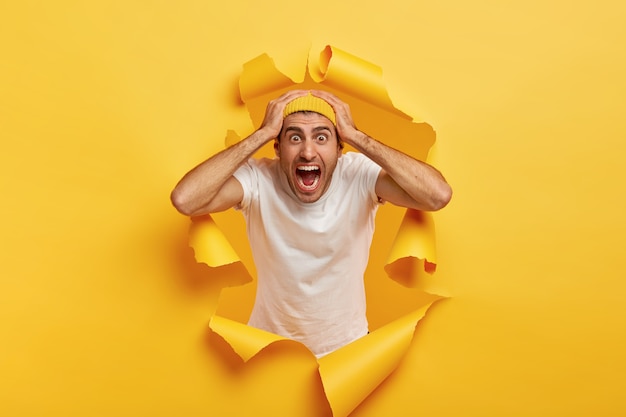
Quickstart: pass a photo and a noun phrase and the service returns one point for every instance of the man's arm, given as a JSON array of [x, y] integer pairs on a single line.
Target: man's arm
[[210, 186], [403, 181]]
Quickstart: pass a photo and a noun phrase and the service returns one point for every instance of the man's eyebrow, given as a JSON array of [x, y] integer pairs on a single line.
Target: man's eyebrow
[[300, 130], [295, 128], [318, 128]]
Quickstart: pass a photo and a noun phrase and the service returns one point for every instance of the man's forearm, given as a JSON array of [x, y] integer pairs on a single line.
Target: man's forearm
[[422, 182], [201, 185], [196, 192], [407, 181]]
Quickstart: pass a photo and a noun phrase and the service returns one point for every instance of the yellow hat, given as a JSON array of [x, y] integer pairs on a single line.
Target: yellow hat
[[310, 103]]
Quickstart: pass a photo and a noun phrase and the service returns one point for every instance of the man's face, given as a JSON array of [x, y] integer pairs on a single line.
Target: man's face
[[308, 150]]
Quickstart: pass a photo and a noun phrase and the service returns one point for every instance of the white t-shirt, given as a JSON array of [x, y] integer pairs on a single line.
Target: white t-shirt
[[310, 257]]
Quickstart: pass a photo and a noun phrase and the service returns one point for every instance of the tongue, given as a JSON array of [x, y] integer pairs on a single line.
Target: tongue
[[308, 177]]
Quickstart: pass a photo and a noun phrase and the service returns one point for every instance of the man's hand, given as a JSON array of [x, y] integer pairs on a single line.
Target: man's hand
[[273, 120], [346, 130]]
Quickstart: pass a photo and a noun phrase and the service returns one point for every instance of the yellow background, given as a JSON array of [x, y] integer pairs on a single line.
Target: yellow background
[[104, 105]]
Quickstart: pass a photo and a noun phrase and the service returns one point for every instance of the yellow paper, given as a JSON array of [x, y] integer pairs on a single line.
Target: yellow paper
[[104, 105]]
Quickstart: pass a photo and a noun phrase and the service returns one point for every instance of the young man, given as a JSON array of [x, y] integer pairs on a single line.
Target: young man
[[310, 212]]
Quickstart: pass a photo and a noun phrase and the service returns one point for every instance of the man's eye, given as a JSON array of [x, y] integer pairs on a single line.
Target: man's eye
[[321, 138], [295, 138]]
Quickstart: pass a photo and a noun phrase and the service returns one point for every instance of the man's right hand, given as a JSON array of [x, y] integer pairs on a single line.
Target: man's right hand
[[273, 120]]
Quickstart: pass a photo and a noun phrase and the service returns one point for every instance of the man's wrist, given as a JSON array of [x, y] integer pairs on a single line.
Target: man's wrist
[[358, 139], [265, 134]]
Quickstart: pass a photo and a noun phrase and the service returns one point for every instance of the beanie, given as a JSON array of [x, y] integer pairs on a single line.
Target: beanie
[[310, 103]]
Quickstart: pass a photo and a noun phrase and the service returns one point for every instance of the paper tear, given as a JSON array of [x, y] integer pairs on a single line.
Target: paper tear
[[209, 243], [246, 341], [353, 372], [413, 251], [347, 381], [365, 80]]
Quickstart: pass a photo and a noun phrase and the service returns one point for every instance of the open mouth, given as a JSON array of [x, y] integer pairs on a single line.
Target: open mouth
[[308, 177]]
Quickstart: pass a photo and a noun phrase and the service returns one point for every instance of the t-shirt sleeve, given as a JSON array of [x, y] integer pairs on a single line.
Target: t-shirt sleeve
[[246, 176], [366, 171]]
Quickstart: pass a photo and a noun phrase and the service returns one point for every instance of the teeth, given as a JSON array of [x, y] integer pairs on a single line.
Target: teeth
[[308, 168]]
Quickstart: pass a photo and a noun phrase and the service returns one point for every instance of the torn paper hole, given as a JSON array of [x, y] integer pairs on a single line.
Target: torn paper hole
[[351, 373]]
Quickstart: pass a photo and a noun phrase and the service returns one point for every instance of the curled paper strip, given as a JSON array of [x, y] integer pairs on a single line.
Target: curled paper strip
[[246, 341], [335, 67], [209, 243], [351, 373], [413, 253]]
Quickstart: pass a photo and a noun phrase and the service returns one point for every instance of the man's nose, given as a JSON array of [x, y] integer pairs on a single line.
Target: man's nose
[[308, 150]]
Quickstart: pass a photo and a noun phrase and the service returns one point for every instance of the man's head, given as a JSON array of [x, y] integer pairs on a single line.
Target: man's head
[[308, 147]]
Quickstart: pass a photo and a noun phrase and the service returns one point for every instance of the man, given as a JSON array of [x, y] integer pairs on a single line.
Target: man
[[310, 212]]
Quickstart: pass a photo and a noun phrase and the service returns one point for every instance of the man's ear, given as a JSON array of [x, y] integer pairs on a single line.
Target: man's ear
[[277, 148]]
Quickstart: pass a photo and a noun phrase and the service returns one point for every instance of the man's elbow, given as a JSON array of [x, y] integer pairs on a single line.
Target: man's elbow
[[442, 197], [181, 202]]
